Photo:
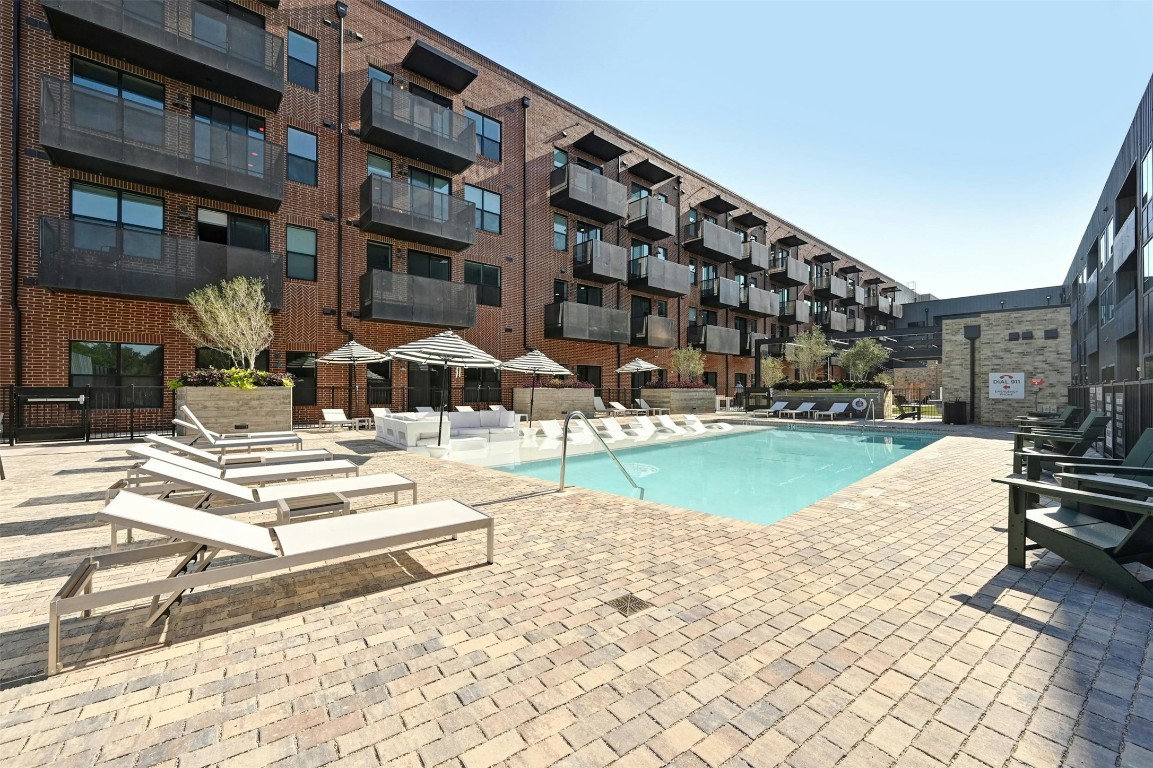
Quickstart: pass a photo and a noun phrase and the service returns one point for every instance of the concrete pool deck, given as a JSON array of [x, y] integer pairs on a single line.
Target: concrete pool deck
[[879, 626]]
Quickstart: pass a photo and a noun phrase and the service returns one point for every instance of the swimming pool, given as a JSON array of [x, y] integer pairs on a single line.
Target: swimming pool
[[759, 475]]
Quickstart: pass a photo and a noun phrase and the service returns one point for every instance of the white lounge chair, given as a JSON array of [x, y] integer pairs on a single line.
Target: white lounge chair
[[195, 538], [222, 443], [774, 410], [646, 426], [168, 481], [599, 408], [554, 431], [611, 428], [259, 474], [805, 408], [425, 409], [380, 412], [234, 459], [335, 417], [649, 410], [836, 411], [620, 410], [464, 408], [694, 424], [668, 423]]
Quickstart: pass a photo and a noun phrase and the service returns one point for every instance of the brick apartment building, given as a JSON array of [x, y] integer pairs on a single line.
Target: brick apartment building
[[386, 182]]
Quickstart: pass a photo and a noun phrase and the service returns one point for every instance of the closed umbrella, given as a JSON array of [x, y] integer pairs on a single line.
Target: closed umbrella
[[444, 349], [535, 362], [351, 354]]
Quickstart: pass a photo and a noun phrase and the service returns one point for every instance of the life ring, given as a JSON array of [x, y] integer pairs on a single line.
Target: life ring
[[860, 403]]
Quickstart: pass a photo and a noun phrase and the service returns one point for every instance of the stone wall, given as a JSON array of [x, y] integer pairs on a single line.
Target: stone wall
[[550, 403], [682, 400], [916, 383], [995, 352], [227, 409]]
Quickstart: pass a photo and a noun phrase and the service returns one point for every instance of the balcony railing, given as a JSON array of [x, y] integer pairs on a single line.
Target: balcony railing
[[395, 297], [878, 305], [720, 292], [410, 125], [1091, 340], [854, 297], [834, 322], [855, 325], [188, 41], [418, 215], [715, 339], [663, 278], [653, 331], [585, 322], [749, 342], [830, 287], [96, 132], [896, 308], [600, 262], [757, 301], [707, 239], [1089, 289], [97, 257], [788, 271], [585, 193], [1125, 243], [794, 312], [649, 217], [755, 259], [1125, 317]]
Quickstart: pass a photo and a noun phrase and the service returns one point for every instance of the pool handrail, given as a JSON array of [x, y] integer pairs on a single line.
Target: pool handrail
[[600, 438]]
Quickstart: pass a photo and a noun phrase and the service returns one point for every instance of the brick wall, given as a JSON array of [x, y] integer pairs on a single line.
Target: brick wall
[[523, 250], [1037, 357], [916, 383]]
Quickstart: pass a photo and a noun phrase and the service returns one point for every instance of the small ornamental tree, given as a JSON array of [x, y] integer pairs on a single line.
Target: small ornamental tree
[[232, 316], [688, 362], [772, 370], [864, 356], [811, 349]]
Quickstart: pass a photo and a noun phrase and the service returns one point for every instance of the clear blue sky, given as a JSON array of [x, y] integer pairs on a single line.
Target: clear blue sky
[[961, 146]]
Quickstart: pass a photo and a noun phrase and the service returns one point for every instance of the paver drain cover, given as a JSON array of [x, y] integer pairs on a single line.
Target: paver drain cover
[[629, 604]]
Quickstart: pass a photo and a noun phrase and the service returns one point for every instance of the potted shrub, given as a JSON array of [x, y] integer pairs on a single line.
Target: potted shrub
[[688, 394]]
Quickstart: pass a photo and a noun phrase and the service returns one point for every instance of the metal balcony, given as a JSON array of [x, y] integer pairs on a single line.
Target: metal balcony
[[653, 331], [1089, 289], [585, 322], [896, 308], [755, 259], [94, 257], [715, 339], [1125, 243], [854, 297], [578, 190], [657, 276], [396, 209], [711, 241], [650, 218], [878, 305], [749, 342], [794, 312], [188, 41], [788, 272], [395, 297], [855, 325], [600, 262], [1125, 317], [410, 125], [834, 322], [720, 292], [830, 287], [757, 301], [1091, 340], [91, 131]]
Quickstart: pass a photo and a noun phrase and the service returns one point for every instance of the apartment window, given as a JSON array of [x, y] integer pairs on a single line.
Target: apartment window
[[693, 215], [590, 166], [429, 265], [1108, 237], [231, 229], [639, 250], [112, 368], [692, 316], [559, 232], [642, 306], [663, 197], [426, 180], [113, 82], [487, 208], [302, 60], [379, 166], [487, 135], [379, 377], [586, 232], [210, 25], [379, 74], [662, 253], [227, 137], [115, 221], [692, 271], [482, 385], [1108, 300], [301, 250], [143, 102], [1147, 257], [301, 156], [587, 294], [590, 374], [559, 291], [486, 278], [741, 324], [378, 256], [637, 192], [435, 98], [302, 366], [710, 378], [207, 357], [708, 272], [708, 317], [559, 158], [435, 205]]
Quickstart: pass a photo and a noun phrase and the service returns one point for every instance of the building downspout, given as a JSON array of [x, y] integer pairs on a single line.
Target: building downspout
[[17, 316], [525, 103], [341, 128]]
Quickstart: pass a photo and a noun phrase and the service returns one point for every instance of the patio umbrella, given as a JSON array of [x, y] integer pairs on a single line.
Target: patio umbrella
[[636, 365], [351, 354], [444, 349], [535, 362]]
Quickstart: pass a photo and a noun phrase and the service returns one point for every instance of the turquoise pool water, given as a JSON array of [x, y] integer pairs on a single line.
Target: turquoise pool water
[[761, 476]]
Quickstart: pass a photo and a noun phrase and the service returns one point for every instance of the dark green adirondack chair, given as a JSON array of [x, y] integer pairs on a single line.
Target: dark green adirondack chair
[[1130, 476], [1050, 445], [1066, 419]]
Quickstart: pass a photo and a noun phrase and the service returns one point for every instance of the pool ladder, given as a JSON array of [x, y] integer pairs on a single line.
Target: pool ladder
[[597, 435]]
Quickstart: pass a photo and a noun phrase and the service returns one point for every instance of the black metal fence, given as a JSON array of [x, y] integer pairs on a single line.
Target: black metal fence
[[1130, 408]]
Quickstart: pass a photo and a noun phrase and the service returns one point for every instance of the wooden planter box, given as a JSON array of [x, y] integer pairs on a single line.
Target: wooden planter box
[[227, 409], [553, 403], [682, 400]]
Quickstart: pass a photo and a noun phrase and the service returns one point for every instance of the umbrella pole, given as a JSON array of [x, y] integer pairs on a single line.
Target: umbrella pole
[[531, 398], [443, 397], [351, 374]]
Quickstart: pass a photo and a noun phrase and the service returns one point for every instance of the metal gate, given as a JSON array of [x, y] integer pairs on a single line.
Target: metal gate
[[50, 413]]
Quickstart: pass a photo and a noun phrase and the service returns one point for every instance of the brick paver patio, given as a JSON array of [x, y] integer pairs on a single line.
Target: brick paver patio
[[879, 626]]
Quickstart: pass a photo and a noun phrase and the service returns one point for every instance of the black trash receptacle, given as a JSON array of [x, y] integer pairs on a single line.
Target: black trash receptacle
[[956, 412]]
